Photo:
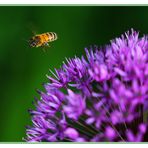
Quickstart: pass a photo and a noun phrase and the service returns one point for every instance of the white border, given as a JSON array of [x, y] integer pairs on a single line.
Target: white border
[[75, 2], [74, 145], [119, 2]]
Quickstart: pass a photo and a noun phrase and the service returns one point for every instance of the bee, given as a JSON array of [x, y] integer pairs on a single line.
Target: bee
[[42, 39]]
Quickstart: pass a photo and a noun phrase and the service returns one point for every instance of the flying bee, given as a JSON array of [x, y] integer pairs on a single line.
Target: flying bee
[[42, 39]]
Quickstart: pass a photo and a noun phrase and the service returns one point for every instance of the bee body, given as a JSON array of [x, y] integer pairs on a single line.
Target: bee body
[[42, 39]]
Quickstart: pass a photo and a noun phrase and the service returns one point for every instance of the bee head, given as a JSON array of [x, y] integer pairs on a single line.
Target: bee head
[[32, 42]]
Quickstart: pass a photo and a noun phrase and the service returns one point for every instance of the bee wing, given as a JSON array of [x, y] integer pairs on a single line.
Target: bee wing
[[32, 28]]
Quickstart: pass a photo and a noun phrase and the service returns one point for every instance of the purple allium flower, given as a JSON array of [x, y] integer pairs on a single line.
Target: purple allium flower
[[100, 97], [75, 106]]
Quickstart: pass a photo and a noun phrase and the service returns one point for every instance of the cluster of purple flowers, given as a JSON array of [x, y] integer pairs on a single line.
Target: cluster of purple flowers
[[98, 98]]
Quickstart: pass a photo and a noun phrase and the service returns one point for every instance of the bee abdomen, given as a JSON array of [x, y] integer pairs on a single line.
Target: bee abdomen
[[52, 36]]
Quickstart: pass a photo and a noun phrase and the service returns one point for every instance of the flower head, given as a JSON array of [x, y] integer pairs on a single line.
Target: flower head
[[105, 99]]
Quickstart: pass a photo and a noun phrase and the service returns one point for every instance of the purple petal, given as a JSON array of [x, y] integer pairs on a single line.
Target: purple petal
[[71, 133]]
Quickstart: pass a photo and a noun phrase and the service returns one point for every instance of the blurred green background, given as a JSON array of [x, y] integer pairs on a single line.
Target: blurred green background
[[23, 69]]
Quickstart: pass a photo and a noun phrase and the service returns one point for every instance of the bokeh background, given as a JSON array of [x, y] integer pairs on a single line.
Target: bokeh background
[[23, 69]]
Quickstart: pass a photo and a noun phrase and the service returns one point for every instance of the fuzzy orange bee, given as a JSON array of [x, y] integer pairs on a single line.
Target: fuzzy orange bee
[[42, 39]]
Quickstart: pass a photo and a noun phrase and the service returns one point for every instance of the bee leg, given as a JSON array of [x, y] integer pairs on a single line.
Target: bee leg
[[45, 46], [43, 49]]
